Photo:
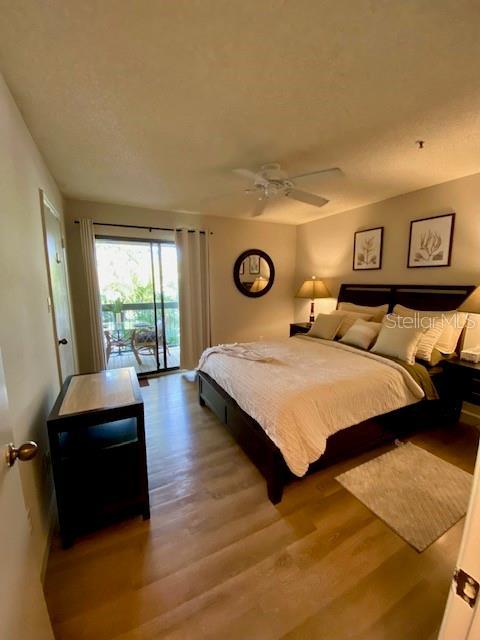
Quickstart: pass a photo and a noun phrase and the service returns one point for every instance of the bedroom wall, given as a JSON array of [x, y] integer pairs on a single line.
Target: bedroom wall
[[234, 316], [26, 333], [325, 246]]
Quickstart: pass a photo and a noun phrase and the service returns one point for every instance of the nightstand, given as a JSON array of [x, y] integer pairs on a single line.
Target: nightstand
[[463, 380], [299, 327]]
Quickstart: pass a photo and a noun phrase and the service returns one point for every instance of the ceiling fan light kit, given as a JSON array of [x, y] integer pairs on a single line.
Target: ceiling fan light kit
[[270, 182]]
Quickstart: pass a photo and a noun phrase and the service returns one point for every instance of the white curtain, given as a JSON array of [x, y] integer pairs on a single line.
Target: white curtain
[[194, 295], [87, 237]]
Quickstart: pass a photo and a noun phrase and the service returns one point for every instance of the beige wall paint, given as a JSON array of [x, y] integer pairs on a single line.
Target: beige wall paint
[[234, 316], [324, 247], [26, 332]]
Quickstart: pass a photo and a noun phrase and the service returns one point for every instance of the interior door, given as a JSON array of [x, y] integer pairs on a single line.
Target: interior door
[[59, 295], [462, 616], [23, 612]]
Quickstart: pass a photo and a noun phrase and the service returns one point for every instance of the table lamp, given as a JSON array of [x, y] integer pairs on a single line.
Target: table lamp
[[472, 303], [313, 289], [258, 284]]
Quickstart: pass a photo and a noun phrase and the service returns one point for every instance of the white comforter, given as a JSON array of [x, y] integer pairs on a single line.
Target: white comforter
[[311, 389]]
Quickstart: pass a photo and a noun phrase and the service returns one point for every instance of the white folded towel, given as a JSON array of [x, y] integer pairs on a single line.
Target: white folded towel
[[234, 350]]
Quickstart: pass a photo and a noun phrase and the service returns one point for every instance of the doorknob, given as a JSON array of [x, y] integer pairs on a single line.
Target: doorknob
[[63, 341], [26, 451]]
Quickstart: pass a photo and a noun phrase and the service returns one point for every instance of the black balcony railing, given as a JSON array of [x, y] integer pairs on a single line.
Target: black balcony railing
[[142, 314]]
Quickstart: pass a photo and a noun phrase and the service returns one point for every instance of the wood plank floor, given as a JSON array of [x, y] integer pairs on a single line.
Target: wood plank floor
[[148, 362], [217, 560]]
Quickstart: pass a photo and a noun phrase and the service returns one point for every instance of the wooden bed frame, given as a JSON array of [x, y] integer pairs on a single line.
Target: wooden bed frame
[[359, 438]]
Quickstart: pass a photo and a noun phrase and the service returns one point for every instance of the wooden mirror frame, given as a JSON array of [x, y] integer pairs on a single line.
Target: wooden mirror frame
[[236, 273]]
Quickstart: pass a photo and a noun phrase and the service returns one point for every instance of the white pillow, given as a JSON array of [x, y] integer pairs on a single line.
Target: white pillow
[[348, 320], [397, 341], [376, 312], [325, 326], [430, 337], [362, 334], [454, 321]]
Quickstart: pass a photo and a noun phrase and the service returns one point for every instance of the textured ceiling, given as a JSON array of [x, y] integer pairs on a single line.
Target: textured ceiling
[[153, 103]]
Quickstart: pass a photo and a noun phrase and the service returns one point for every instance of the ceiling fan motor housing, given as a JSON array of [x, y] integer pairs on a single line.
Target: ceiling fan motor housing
[[277, 183], [277, 188], [273, 172]]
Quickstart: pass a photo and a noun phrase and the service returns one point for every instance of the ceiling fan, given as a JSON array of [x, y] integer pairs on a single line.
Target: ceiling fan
[[271, 182]]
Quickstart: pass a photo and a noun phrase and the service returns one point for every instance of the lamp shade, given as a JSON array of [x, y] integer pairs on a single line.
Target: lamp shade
[[258, 284], [472, 303], [313, 289]]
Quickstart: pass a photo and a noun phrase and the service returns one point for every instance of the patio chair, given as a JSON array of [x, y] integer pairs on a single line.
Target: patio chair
[[143, 341], [112, 342]]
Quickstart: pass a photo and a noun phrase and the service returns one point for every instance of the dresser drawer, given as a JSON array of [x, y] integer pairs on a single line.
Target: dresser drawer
[[472, 392]]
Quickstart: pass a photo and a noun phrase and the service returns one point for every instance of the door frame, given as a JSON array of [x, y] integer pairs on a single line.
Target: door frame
[[45, 207], [460, 620], [127, 238]]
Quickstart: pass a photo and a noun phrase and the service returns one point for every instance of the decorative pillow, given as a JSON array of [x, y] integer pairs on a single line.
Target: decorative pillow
[[348, 320], [453, 323], [430, 337], [376, 312], [362, 334], [437, 357], [325, 326], [397, 341]]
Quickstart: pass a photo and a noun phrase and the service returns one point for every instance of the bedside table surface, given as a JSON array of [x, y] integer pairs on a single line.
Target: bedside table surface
[[299, 327], [464, 364]]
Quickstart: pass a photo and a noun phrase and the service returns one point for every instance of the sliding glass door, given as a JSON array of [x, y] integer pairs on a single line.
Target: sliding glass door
[[139, 291]]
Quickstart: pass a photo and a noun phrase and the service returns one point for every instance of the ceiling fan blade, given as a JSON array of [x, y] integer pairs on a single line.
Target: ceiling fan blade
[[260, 206], [308, 198], [251, 175], [323, 172]]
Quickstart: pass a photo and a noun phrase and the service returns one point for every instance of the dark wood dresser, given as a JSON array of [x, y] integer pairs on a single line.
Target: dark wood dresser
[[97, 443]]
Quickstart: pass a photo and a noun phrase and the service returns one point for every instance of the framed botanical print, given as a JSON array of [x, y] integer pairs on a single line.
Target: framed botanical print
[[367, 249], [254, 265], [430, 243]]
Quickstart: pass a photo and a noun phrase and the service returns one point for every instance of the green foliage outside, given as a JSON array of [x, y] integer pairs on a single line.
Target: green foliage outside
[[125, 279]]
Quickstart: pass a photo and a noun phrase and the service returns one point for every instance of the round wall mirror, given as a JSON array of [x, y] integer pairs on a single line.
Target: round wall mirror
[[254, 273]]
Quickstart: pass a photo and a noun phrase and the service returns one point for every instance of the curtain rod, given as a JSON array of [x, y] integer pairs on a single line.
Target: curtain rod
[[136, 226]]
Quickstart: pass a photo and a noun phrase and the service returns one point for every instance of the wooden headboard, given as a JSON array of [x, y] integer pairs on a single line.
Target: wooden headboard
[[415, 296]]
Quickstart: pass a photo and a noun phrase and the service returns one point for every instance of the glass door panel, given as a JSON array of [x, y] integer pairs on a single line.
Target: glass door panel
[[168, 262], [158, 287], [130, 279]]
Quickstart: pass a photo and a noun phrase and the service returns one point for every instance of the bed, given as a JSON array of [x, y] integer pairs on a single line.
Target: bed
[[338, 370]]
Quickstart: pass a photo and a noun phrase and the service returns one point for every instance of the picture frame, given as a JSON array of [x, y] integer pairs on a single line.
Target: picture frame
[[430, 241], [368, 249], [254, 265]]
